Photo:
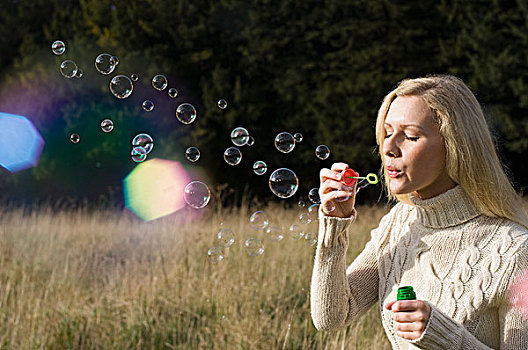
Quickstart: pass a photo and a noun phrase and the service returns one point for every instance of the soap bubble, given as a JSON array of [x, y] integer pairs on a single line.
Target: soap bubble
[[121, 86], [172, 93], [274, 233], [239, 136], [284, 142], [192, 154], [143, 140], [313, 210], [148, 105], [305, 218], [329, 207], [138, 154], [251, 141], [197, 194], [232, 156], [313, 195], [322, 152], [134, 77], [79, 73], [186, 113], [107, 125], [68, 69], [298, 137], [75, 138], [58, 47], [258, 220], [105, 63], [159, 82], [254, 247], [301, 204], [310, 238], [215, 254], [295, 231], [116, 60], [222, 104], [260, 167], [283, 183], [225, 237]]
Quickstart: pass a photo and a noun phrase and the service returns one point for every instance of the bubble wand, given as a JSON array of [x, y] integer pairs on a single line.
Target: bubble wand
[[349, 177]]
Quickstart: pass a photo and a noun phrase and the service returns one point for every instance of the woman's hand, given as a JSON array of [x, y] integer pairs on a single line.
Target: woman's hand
[[410, 317], [336, 199]]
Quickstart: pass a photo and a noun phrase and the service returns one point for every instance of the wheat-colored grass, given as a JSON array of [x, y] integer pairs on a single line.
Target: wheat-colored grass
[[106, 280]]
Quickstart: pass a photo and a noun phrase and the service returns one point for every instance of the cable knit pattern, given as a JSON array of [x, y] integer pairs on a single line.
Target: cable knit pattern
[[459, 261]]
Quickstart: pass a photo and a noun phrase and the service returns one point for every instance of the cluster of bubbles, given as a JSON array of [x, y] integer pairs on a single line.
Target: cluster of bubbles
[[264, 231], [142, 145]]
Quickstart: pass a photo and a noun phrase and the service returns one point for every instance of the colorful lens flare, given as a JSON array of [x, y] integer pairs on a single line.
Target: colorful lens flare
[[155, 188], [20, 143]]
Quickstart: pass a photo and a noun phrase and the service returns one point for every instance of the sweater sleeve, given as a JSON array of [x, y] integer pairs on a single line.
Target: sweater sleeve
[[442, 332], [339, 295]]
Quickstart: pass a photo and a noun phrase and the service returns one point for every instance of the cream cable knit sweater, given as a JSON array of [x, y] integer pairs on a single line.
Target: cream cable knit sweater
[[459, 261]]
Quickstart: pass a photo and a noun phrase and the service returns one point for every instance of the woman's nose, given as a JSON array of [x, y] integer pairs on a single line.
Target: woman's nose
[[390, 149]]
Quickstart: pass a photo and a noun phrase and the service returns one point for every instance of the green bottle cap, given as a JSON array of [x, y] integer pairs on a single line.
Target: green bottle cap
[[406, 293]]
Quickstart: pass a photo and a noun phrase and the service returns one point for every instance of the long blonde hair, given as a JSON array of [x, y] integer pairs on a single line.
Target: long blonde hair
[[471, 157]]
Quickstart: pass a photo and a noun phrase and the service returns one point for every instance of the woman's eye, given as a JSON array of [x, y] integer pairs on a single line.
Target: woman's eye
[[388, 135], [412, 138]]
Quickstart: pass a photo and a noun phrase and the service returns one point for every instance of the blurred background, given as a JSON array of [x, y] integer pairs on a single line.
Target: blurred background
[[320, 68]]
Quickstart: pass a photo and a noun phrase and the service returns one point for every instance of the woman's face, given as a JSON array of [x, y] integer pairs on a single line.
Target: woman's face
[[413, 150]]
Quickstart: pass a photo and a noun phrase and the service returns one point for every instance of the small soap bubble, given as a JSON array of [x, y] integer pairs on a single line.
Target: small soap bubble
[[148, 105], [159, 82], [68, 69], [295, 231], [322, 152], [79, 73], [298, 137], [222, 104], [258, 220], [143, 140], [225, 237], [329, 207], [283, 183], [251, 141], [260, 167], [301, 204], [75, 138], [215, 254], [121, 86], [134, 77], [239, 136], [186, 113], [310, 238], [107, 125], [192, 154], [232, 156], [284, 142], [274, 233], [138, 154], [313, 195], [172, 93], [197, 194], [305, 218], [58, 47], [116, 60], [254, 247], [105, 63], [313, 210]]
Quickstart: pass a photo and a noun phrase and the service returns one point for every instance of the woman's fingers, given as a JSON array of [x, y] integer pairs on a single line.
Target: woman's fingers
[[327, 174], [339, 166]]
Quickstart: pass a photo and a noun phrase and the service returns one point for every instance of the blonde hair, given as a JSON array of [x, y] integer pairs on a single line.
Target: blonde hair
[[471, 157]]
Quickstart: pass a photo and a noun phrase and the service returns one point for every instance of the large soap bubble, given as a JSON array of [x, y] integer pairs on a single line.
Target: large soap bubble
[[232, 156], [143, 140], [283, 183], [121, 86], [186, 113], [58, 47], [239, 136], [197, 194], [68, 69], [284, 142], [105, 63]]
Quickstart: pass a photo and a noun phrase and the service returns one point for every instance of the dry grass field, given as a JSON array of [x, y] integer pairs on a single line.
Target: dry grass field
[[106, 280]]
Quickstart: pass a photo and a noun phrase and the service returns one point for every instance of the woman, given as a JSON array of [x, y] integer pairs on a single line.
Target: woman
[[458, 234]]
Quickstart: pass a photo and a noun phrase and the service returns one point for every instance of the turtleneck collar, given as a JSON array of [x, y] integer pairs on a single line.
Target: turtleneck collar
[[450, 208]]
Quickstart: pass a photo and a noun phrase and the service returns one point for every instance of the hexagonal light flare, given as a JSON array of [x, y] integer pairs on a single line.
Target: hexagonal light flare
[[155, 188], [20, 142]]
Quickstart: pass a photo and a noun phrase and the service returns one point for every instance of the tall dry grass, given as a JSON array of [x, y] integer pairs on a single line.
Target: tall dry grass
[[106, 280]]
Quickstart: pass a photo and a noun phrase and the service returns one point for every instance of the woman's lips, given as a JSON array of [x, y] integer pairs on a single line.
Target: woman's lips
[[393, 172]]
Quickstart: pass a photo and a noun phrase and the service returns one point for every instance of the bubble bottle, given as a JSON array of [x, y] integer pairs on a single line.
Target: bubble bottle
[[406, 293]]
